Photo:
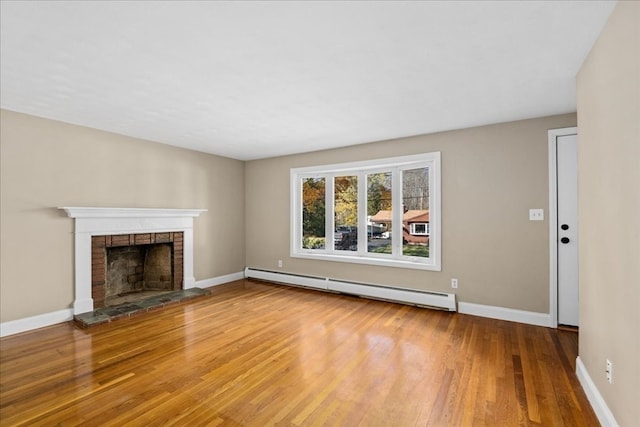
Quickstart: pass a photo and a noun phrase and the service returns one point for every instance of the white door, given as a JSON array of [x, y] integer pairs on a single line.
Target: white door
[[567, 193]]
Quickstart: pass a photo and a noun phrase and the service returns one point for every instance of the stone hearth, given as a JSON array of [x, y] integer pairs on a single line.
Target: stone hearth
[[130, 309]]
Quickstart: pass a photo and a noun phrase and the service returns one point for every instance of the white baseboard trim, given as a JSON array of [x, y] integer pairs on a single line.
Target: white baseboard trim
[[13, 327], [501, 313], [604, 414], [220, 280]]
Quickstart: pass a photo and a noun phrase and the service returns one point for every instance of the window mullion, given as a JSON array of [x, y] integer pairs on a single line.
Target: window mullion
[[362, 213], [435, 210], [329, 218], [296, 212], [397, 212]]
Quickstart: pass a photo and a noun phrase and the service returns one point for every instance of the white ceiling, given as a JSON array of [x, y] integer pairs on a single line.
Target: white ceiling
[[251, 80]]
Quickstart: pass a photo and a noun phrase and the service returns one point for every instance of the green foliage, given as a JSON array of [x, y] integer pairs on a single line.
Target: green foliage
[[386, 249], [313, 207], [416, 250], [313, 243], [346, 201], [407, 250]]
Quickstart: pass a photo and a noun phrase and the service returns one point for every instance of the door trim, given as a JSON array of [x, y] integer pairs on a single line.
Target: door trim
[[554, 134]]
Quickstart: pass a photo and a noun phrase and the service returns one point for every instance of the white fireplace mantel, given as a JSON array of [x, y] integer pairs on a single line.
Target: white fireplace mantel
[[97, 221], [84, 212]]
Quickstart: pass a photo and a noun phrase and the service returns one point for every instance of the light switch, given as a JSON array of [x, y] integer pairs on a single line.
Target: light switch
[[536, 214]]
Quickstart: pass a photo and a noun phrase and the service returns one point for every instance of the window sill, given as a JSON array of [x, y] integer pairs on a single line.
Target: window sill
[[382, 262]]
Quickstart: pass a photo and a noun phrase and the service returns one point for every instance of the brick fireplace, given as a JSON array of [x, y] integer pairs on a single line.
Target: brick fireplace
[[132, 263], [97, 229]]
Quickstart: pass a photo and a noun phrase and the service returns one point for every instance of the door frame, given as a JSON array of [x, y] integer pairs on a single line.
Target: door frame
[[554, 134]]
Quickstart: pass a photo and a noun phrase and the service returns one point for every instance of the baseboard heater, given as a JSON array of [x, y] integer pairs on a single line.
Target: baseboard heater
[[436, 300]]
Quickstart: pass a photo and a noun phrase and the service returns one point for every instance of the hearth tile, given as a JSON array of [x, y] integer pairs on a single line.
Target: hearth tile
[[91, 318], [111, 313], [128, 308], [147, 303]]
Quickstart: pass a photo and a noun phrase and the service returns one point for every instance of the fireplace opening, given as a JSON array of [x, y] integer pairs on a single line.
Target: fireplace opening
[[139, 271], [131, 267]]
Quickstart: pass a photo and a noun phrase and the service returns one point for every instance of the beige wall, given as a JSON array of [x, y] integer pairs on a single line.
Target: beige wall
[[46, 164], [491, 177], [609, 205]]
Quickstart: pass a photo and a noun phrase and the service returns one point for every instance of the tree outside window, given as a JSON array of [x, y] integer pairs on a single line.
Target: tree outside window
[[313, 213]]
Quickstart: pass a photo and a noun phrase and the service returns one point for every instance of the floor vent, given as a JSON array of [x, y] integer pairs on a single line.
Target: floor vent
[[435, 300]]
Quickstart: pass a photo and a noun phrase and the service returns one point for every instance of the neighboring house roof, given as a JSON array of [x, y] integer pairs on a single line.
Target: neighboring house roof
[[382, 216], [416, 216], [410, 216]]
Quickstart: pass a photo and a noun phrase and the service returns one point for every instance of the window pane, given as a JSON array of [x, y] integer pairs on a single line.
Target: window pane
[[379, 213], [346, 213], [418, 229], [415, 220], [313, 213]]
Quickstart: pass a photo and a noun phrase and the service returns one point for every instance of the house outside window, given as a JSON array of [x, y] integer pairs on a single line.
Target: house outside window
[[382, 212]]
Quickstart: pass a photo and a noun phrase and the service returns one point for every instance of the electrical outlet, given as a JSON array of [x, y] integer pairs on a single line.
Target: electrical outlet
[[454, 283], [280, 263], [536, 214], [609, 371]]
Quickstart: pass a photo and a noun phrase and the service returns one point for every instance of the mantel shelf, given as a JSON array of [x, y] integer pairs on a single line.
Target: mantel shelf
[[100, 212]]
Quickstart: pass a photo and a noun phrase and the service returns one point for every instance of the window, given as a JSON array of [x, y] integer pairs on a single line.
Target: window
[[382, 212], [420, 229]]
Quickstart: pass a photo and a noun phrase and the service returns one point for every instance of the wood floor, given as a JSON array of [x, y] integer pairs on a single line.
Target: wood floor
[[258, 354]]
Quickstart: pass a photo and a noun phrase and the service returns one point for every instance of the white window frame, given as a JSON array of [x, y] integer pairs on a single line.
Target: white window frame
[[361, 169]]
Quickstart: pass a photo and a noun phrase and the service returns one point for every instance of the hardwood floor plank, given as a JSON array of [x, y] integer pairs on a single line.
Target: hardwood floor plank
[[261, 354]]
